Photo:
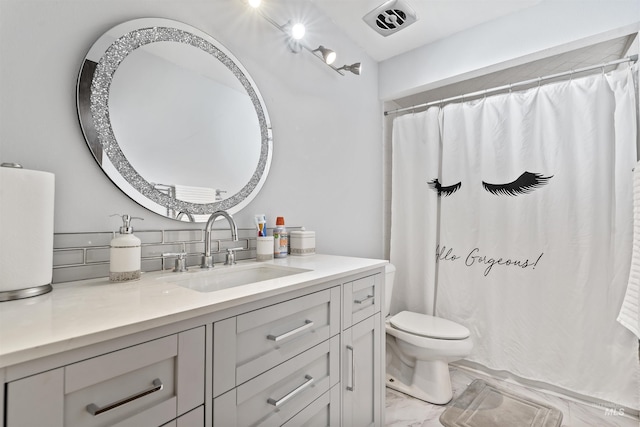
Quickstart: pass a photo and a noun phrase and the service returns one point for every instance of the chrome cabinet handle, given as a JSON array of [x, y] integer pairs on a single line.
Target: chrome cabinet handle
[[353, 369], [307, 324], [94, 409], [360, 301], [291, 394]]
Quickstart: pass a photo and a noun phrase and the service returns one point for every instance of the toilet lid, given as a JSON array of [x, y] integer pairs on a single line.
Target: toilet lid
[[429, 326]]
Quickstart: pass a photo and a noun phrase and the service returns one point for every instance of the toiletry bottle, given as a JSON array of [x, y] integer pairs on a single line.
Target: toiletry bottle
[[124, 255], [280, 239]]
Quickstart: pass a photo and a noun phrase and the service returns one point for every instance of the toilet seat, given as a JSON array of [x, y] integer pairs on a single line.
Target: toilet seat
[[428, 326]]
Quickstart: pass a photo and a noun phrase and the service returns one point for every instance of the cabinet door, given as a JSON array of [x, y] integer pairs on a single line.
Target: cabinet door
[[361, 380]]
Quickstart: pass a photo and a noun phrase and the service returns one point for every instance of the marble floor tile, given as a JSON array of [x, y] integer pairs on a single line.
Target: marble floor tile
[[405, 411], [402, 410]]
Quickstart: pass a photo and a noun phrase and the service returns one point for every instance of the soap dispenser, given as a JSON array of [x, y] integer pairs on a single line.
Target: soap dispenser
[[125, 254]]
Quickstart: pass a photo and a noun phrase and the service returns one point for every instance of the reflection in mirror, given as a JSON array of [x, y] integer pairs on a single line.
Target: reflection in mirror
[[173, 119]]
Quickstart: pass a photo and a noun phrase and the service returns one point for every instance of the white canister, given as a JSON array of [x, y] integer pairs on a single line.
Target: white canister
[[264, 248], [303, 242]]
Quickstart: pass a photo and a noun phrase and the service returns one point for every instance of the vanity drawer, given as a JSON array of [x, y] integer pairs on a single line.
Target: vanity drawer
[[194, 418], [146, 384], [274, 397], [362, 298], [249, 344], [322, 412]]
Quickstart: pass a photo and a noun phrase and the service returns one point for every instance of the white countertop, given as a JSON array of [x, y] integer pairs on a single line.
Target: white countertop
[[85, 312]]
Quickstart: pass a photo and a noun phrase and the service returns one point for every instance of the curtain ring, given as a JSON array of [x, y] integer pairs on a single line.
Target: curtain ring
[[510, 88]]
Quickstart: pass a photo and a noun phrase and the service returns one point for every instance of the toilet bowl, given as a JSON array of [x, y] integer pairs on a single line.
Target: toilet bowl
[[419, 348]]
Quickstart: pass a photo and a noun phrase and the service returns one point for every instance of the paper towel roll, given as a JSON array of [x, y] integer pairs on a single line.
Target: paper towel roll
[[26, 228]]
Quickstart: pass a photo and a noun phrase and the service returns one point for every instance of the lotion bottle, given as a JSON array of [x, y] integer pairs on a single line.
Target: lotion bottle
[[125, 254], [280, 239]]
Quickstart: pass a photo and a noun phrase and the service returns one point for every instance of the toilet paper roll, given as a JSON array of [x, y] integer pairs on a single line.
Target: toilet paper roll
[[26, 228], [264, 248]]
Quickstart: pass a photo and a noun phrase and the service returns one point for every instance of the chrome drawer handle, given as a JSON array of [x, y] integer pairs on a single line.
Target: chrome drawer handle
[[291, 394], [353, 369], [307, 324], [360, 301], [94, 409]]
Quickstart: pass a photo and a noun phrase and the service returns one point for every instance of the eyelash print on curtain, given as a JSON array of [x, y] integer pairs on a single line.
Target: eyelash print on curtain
[[444, 191], [525, 183]]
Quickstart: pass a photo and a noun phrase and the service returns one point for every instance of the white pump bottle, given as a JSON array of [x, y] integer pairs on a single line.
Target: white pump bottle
[[125, 253]]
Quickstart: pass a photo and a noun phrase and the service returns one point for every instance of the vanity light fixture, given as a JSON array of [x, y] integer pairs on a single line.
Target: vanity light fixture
[[354, 68], [328, 55], [295, 32]]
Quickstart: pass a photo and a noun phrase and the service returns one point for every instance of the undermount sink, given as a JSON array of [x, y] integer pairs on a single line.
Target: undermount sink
[[223, 277]]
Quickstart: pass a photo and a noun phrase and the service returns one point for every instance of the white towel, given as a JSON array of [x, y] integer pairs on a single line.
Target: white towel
[[629, 315], [195, 194]]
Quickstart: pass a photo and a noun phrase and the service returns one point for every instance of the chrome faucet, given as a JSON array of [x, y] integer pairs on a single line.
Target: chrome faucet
[[188, 215], [207, 258]]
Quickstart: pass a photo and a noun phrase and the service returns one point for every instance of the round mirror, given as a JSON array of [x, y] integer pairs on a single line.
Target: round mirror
[[173, 119]]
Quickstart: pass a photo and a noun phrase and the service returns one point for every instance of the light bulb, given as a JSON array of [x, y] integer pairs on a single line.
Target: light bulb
[[297, 31], [331, 58], [255, 3]]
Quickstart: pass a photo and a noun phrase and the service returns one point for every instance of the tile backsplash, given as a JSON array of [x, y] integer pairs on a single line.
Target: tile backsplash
[[79, 256]]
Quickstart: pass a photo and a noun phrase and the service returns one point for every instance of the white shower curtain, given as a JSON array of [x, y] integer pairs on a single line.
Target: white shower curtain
[[414, 219], [535, 230]]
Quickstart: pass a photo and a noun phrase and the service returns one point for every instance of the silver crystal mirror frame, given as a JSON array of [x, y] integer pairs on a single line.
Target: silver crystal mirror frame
[[93, 88]]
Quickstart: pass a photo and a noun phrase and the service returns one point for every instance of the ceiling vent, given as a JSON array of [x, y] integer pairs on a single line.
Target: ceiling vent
[[390, 17]]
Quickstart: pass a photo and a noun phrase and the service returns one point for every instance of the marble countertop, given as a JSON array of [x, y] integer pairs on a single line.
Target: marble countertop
[[85, 312]]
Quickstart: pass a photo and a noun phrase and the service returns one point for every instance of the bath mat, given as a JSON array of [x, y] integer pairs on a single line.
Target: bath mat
[[485, 405]]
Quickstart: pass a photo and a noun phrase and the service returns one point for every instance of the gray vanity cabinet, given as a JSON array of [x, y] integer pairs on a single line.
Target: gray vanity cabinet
[[318, 360], [312, 356]]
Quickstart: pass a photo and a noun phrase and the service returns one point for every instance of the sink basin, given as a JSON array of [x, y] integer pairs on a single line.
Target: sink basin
[[224, 277]]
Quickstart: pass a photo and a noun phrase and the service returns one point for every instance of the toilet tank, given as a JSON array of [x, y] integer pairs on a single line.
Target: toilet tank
[[390, 273]]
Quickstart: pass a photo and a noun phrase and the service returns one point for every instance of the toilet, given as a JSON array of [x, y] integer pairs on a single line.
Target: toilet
[[419, 348]]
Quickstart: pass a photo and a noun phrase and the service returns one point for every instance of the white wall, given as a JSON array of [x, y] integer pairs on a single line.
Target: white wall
[[549, 28], [326, 172]]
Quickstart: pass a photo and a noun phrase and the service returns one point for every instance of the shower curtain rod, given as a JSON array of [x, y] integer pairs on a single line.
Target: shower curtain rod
[[632, 58]]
